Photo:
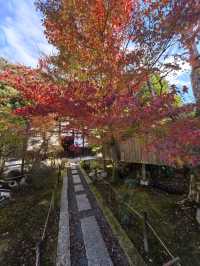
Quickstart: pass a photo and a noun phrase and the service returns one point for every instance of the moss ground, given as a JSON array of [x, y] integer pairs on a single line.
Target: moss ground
[[22, 221], [175, 224]]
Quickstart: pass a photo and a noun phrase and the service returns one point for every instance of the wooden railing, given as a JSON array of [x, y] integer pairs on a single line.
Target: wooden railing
[[149, 238]]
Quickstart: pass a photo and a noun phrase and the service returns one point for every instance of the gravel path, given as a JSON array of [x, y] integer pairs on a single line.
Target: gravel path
[[91, 239], [63, 247]]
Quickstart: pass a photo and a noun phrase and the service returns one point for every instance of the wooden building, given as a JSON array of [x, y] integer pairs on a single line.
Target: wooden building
[[133, 150]]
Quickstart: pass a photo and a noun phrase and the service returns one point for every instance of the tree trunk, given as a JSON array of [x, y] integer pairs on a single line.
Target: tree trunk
[[194, 192], [41, 153], [83, 146], [104, 157], [116, 156], [115, 149], [144, 180], [59, 129], [2, 164], [195, 74], [24, 148], [194, 189]]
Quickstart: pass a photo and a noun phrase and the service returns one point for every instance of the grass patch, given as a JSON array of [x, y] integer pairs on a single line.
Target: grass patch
[[175, 224], [22, 221]]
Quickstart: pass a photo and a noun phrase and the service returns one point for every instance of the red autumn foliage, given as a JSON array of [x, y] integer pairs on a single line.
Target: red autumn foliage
[[107, 51]]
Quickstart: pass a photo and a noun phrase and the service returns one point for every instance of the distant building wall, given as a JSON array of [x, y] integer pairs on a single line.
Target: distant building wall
[[134, 151]]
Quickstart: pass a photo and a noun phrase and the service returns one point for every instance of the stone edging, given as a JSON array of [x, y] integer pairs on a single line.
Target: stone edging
[[63, 247]]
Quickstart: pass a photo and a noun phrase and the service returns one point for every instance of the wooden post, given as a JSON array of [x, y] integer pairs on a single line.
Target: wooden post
[[110, 196], [59, 174], [38, 253], [144, 181], [145, 229], [59, 128], [53, 200], [172, 262], [24, 148], [83, 146], [104, 157], [143, 172], [95, 174]]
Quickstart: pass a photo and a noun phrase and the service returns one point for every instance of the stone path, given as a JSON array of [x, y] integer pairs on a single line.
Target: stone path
[[96, 250], [91, 240]]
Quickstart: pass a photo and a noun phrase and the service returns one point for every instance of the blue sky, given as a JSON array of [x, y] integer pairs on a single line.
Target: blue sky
[[22, 39], [21, 32]]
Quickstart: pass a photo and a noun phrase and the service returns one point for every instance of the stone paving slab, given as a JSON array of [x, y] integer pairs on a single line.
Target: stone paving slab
[[63, 246], [73, 167], [76, 179], [96, 250], [83, 202], [74, 171], [78, 188]]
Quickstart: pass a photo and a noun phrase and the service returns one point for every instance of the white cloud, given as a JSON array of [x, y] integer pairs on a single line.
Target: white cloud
[[181, 77], [22, 33], [184, 68]]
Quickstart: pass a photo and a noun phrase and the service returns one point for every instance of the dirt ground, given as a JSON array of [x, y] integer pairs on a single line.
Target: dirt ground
[[22, 221]]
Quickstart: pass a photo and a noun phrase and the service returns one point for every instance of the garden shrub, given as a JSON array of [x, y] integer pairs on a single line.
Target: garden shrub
[[85, 165], [115, 175], [124, 215], [132, 183]]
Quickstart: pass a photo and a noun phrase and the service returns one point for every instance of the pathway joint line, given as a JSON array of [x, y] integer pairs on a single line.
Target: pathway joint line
[[63, 247]]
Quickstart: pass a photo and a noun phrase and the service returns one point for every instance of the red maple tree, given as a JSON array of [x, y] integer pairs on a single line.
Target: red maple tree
[[106, 54]]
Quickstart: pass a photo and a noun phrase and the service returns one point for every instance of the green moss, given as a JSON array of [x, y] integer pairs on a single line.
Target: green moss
[[176, 226], [156, 205]]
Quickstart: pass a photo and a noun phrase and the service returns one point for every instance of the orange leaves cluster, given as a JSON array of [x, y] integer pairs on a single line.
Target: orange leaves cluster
[[107, 50], [88, 33], [43, 123]]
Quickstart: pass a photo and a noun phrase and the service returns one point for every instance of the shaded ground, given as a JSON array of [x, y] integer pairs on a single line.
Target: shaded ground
[[175, 223], [22, 221]]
